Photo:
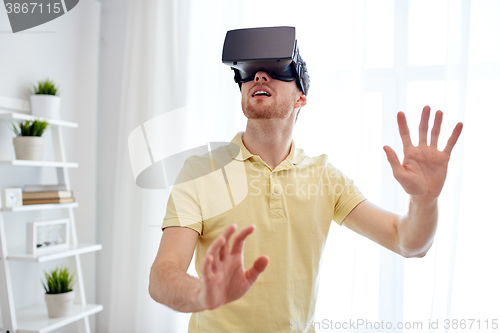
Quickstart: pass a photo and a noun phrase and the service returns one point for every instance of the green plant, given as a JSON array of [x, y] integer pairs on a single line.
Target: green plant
[[30, 128], [45, 87], [58, 281]]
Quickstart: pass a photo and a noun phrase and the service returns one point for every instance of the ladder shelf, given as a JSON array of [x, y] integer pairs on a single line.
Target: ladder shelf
[[35, 318]]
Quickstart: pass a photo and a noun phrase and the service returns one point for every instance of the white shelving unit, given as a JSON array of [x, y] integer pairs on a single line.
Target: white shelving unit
[[35, 319], [24, 116], [40, 163]]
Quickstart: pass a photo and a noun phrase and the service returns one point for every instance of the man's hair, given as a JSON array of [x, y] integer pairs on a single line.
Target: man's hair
[[305, 80]]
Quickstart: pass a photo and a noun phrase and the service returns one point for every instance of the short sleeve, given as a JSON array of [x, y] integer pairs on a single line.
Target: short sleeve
[[345, 194], [183, 207]]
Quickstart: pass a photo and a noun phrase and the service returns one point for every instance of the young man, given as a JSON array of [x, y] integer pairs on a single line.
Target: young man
[[276, 280]]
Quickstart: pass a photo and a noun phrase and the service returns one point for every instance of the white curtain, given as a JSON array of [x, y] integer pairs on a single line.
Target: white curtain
[[367, 61]]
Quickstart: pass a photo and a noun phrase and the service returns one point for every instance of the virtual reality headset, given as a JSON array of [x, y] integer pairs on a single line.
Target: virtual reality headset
[[273, 50]]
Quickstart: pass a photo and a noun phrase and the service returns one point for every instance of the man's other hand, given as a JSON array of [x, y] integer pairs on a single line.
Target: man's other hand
[[224, 277], [424, 167]]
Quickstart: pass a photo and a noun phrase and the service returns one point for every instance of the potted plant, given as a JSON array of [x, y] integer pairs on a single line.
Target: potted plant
[[28, 143], [59, 293], [44, 102]]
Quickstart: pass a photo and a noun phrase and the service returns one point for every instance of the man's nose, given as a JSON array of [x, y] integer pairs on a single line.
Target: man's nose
[[262, 76]]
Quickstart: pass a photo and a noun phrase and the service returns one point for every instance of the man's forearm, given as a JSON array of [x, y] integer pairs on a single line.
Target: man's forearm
[[416, 229], [174, 288]]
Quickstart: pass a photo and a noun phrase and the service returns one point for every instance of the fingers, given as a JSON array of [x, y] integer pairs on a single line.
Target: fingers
[[258, 267], [214, 251], [239, 239], [424, 126], [436, 129], [206, 267], [453, 138], [393, 159], [219, 249], [403, 130], [224, 251]]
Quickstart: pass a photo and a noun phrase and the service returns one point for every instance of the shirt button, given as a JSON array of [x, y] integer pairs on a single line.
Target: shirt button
[[275, 195]]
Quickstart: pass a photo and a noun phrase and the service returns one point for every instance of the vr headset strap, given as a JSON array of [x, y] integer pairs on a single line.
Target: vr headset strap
[[237, 76]]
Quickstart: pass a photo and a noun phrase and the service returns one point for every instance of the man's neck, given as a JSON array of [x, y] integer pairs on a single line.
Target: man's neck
[[271, 139]]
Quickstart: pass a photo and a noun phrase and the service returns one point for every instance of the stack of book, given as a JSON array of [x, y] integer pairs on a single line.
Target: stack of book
[[46, 194]]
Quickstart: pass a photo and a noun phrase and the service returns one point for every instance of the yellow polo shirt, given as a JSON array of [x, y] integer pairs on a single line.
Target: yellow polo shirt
[[292, 207]]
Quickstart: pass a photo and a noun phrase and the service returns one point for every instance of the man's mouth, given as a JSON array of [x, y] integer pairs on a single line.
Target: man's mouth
[[261, 93]]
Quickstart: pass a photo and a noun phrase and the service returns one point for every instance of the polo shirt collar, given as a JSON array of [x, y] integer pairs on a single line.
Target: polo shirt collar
[[296, 155]]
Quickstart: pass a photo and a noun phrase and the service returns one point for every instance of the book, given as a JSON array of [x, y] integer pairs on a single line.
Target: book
[[47, 201], [47, 195], [45, 188]]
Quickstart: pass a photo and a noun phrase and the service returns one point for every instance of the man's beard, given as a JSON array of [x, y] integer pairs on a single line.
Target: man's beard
[[273, 110]]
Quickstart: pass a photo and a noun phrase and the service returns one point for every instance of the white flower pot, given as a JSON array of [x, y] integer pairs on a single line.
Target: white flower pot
[[59, 305], [46, 106], [28, 147]]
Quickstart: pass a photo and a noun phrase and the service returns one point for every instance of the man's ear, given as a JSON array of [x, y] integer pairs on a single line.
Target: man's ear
[[301, 101]]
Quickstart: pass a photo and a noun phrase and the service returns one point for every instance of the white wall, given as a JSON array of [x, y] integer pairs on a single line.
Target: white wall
[[65, 49]]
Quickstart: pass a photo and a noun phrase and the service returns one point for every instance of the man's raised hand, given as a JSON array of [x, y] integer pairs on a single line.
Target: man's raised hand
[[424, 167], [224, 277]]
